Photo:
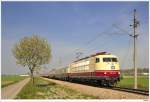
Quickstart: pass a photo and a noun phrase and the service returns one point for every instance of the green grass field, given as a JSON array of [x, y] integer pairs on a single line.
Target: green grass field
[[10, 79], [128, 82], [48, 90]]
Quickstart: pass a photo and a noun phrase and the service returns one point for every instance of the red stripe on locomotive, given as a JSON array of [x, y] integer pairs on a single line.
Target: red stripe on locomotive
[[98, 73], [109, 73]]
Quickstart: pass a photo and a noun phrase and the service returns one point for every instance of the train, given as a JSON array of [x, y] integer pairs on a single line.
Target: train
[[102, 68]]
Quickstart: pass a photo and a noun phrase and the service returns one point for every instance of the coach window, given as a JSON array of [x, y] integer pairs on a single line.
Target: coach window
[[97, 60]]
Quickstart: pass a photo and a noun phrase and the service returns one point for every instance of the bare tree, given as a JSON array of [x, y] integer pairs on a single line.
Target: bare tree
[[32, 52]]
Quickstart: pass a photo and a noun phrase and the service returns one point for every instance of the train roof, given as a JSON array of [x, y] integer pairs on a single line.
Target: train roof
[[93, 55]]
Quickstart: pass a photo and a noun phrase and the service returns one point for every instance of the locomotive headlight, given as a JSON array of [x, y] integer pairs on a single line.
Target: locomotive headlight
[[105, 73], [112, 67], [118, 72]]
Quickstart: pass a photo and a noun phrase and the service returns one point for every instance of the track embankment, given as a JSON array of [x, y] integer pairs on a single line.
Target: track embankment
[[101, 93]]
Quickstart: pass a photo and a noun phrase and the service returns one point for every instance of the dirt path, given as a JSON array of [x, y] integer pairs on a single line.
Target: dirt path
[[11, 91], [99, 92]]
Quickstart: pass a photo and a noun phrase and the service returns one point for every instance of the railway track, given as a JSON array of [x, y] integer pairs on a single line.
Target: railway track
[[99, 91], [137, 91]]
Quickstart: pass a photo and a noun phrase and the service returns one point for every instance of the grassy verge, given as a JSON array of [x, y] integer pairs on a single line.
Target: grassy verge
[[48, 90], [127, 81], [10, 79]]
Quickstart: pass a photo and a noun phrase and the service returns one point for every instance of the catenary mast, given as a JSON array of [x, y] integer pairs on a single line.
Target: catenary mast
[[135, 35]]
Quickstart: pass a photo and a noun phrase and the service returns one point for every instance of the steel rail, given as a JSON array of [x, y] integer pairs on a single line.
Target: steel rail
[[137, 91]]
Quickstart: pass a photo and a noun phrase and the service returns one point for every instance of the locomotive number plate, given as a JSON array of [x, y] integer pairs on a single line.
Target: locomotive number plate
[[112, 67]]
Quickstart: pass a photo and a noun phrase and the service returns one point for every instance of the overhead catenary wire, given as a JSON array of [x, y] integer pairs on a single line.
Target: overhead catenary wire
[[102, 34], [105, 42], [81, 51], [78, 50], [108, 35], [125, 32], [126, 54], [96, 37]]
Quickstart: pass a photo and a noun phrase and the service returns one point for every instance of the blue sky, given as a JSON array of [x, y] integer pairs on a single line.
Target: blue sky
[[70, 25]]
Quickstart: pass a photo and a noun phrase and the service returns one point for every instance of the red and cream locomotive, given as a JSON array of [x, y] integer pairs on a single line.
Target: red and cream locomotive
[[100, 67]]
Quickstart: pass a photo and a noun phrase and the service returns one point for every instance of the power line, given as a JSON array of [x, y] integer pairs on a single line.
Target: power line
[[105, 42], [78, 50], [105, 32], [114, 25], [126, 55], [78, 54], [88, 43], [99, 35]]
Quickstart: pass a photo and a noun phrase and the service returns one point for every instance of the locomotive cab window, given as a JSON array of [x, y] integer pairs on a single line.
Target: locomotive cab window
[[97, 60], [106, 59], [114, 60], [110, 60]]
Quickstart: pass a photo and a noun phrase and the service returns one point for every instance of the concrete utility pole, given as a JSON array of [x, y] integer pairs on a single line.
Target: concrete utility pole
[[135, 35]]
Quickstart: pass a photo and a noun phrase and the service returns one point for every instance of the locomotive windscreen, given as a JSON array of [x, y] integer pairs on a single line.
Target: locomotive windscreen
[[110, 60]]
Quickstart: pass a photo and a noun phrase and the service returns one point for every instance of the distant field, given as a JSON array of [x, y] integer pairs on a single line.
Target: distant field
[[10, 79], [128, 81], [48, 90]]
